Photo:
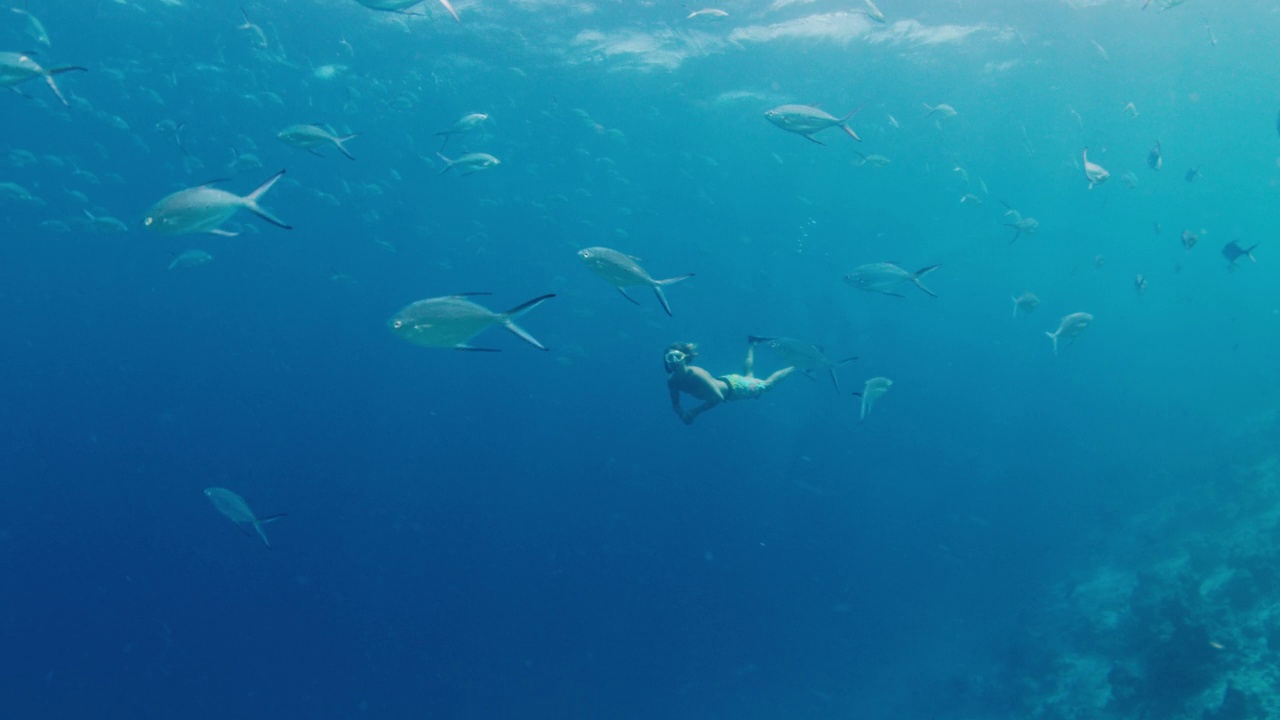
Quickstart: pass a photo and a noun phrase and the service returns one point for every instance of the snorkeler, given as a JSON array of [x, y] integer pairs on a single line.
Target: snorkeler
[[691, 379]]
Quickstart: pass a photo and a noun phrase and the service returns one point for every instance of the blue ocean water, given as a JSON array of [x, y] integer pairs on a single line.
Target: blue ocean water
[[1009, 533]]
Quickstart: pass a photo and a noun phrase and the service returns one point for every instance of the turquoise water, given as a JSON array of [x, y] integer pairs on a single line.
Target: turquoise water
[[1009, 533]]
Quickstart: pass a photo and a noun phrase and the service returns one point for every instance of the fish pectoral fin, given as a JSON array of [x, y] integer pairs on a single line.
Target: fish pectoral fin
[[624, 294], [270, 518], [468, 348], [811, 138], [223, 233]]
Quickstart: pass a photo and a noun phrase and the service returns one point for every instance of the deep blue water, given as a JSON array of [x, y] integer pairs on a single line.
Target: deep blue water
[[529, 534]]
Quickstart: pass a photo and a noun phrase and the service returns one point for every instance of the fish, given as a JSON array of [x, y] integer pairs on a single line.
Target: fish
[[464, 124], [710, 13], [106, 223], [807, 121], [203, 208], [260, 38], [1101, 50], [871, 391], [471, 163], [1070, 328], [1027, 302], [885, 277], [452, 321], [189, 259], [1193, 174], [1020, 224], [803, 356], [1154, 160], [1189, 239], [942, 110], [16, 68], [1140, 284], [237, 510], [309, 137], [35, 28], [1129, 179], [874, 13], [873, 160], [623, 271], [1232, 251], [1093, 171], [1131, 110]]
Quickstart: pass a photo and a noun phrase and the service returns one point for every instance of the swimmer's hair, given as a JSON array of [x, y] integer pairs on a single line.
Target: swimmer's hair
[[689, 349]]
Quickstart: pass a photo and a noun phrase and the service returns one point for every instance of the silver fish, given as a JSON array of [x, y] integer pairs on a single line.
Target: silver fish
[[711, 13], [470, 163], [807, 121], [1154, 160], [190, 259], [202, 209], [871, 391], [35, 28], [451, 321], [886, 277], [237, 510], [16, 68], [1026, 302], [802, 356], [310, 137], [464, 124], [1070, 328], [401, 6], [106, 223], [1095, 173], [942, 110], [623, 271]]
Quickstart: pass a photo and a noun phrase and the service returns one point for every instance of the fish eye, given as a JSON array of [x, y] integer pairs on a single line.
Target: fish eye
[[397, 324], [148, 221]]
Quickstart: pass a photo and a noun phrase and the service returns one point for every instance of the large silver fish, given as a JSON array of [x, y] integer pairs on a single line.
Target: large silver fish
[[871, 391], [464, 124], [16, 68], [887, 277], [451, 321], [1070, 328], [470, 163], [807, 121], [237, 510], [202, 209], [623, 271], [803, 356], [310, 137]]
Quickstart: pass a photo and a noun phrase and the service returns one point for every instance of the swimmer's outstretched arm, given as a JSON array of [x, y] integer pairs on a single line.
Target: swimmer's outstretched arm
[[689, 416]]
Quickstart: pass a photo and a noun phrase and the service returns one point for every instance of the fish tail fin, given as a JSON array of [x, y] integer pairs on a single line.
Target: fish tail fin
[[844, 123], [454, 13], [1054, 337], [259, 522], [509, 316], [1249, 253], [662, 298], [1015, 307], [342, 148], [447, 162], [48, 78], [834, 380], [921, 273], [251, 202], [845, 361]]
